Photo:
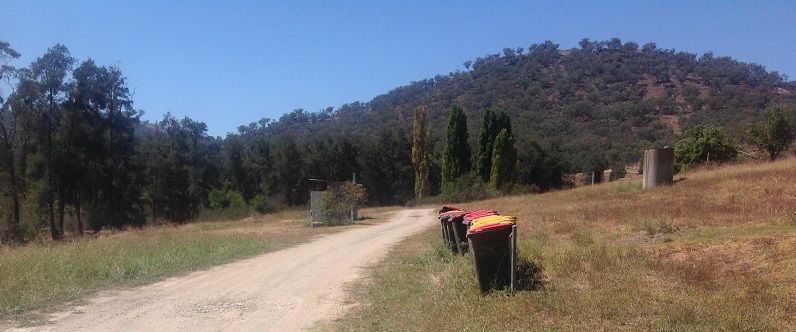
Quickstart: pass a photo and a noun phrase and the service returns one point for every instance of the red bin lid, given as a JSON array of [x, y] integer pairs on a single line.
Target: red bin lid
[[473, 215], [448, 207]]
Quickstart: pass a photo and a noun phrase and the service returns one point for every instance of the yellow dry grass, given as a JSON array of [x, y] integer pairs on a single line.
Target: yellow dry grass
[[714, 251]]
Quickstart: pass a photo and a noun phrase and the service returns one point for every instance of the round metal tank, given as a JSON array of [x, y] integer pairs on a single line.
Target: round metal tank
[[658, 167]]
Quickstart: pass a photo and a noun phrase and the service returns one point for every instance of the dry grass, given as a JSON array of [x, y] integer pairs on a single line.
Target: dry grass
[[715, 251], [42, 275]]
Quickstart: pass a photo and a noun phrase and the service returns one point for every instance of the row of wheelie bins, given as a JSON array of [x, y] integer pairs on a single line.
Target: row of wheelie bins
[[490, 237]]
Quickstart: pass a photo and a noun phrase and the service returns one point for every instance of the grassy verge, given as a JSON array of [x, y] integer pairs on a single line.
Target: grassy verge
[[716, 251], [37, 276]]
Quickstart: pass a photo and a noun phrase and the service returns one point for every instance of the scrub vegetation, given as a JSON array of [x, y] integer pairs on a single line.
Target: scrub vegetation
[[714, 251]]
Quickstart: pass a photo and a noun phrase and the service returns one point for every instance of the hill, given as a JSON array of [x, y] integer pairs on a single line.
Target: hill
[[591, 107], [74, 154]]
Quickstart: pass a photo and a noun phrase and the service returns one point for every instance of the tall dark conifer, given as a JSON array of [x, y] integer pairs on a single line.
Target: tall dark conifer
[[504, 160], [493, 124], [456, 157], [486, 139]]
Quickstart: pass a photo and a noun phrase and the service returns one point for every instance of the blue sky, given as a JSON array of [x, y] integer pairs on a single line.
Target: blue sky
[[229, 63]]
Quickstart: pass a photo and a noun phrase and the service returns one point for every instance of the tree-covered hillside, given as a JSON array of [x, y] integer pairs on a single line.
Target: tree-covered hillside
[[73, 149], [595, 106]]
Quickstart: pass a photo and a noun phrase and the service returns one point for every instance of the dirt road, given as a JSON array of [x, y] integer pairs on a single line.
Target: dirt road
[[286, 290]]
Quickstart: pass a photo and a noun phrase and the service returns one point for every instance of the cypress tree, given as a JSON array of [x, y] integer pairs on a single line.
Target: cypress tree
[[493, 124], [456, 157], [503, 122], [486, 139], [420, 153], [504, 159]]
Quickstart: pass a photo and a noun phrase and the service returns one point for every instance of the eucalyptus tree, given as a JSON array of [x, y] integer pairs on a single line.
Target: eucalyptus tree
[[11, 134], [776, 133], [49, 73], [78, 142], [116, 199]]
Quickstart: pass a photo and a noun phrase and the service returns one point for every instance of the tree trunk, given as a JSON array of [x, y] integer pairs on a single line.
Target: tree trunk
[[13, 227], [22, 185], [61, 212], [79, 219], [54, 231]]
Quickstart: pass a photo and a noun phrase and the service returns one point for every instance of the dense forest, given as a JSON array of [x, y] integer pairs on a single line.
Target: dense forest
[[75, 155]]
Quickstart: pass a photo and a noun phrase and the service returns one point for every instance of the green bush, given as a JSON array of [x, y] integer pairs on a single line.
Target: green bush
[[262, 204], [225, 198], [334, 207], [704, 143], [618, 171], [466, 188]]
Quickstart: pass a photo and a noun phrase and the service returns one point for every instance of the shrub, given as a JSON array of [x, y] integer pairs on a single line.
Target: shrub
[[262, 204], [704, 143], [334, 207], [618, 171], [467, 188], [225, 198]]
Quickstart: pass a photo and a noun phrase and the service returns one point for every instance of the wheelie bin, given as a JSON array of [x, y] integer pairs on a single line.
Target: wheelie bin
[[444, 219], [491, 241], [459, 229], [448, 220]]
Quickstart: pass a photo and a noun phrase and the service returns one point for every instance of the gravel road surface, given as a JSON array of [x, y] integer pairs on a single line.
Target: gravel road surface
[[286, 290]]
